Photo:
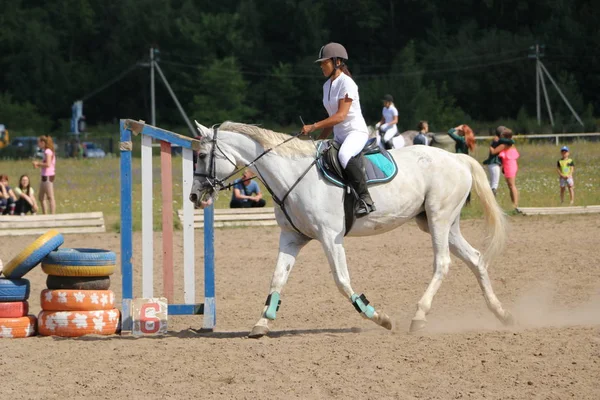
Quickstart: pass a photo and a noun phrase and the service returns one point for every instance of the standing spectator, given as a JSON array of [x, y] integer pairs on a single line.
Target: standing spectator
[[493, 161], [566, 167], [47, 165], [509, 155], [387, 126], [464, 137], [7, 197], [465, 141], [25, 197], [246, 192], [421, 137]]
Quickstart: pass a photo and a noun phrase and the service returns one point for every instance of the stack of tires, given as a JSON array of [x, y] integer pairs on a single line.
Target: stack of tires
[[14, 290], [77, 300]]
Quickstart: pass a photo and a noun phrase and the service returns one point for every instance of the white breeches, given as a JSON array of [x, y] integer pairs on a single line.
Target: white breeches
[[389, 134], [351, 146], [397, 143], [494, 170]]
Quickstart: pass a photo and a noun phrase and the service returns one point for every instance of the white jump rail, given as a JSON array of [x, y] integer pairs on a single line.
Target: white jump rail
[[232, 217], [19, 225], [566, 210]]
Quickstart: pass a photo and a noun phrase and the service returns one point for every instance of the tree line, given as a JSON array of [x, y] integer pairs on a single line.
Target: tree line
[[252, 60]]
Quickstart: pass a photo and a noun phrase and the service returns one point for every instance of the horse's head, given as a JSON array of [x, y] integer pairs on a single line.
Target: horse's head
[[213, 167]]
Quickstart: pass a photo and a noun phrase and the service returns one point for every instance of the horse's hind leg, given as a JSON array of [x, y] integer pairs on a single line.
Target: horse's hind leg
[[441, 263], [334, 250], [463, 250], [290, 243]]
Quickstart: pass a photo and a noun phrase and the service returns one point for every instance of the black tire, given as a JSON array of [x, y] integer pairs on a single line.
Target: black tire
[[78, 283]]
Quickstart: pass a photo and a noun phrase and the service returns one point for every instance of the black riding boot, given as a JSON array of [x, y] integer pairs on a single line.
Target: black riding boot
[[356, 178]]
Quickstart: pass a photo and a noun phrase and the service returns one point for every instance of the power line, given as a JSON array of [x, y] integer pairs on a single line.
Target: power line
[[367, 76], [111, 82]]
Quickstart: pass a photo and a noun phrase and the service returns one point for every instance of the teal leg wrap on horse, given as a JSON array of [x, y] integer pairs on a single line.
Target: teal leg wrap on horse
[[362, 305], [272, 304]]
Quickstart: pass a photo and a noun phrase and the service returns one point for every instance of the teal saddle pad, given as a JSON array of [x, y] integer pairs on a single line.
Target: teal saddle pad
[[379, 164]]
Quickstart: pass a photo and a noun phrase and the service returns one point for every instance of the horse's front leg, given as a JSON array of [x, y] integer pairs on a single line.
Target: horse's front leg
[[334, 249], [290, 243]]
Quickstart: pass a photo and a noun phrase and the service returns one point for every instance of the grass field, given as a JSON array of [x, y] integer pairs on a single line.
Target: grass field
[[93, 185]]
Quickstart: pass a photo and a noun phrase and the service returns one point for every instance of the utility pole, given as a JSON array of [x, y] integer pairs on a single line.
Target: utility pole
[[537, 52], [152, 93], [154, 59]]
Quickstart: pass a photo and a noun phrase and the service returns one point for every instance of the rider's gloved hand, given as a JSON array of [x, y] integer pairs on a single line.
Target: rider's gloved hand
[[377, 125], [383, 128]]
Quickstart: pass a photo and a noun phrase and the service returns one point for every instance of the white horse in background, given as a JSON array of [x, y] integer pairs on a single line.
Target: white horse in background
[[431, 186]]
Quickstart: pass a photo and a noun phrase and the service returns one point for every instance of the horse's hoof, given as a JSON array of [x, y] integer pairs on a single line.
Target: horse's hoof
[[258, 331], [508, 319], [385, 321], [417, 325]]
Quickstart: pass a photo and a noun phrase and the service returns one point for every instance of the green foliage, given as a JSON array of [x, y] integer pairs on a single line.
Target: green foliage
[[21, 119], [252, 60], [222, 93]]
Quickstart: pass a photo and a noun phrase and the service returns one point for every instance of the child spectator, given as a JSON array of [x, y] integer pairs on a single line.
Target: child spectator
[[509, 155], [7, 197], [566, 167], [47, 165], [25, 197], [493, 161]]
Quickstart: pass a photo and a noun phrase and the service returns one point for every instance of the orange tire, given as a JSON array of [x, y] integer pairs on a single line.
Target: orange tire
[[14, 309], [78, 323], [77, 300], [17, 327]]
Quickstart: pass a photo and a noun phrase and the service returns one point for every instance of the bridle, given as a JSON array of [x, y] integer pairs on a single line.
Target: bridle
[[217, 184]]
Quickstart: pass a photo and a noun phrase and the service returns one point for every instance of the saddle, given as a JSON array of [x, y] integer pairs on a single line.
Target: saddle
[[379, 167]]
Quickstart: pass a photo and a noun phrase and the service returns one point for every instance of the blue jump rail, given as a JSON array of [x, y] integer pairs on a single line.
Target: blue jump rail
[[208, 308]]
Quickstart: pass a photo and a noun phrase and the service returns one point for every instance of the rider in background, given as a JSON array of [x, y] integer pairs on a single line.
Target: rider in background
[[341, 100], [387, 126]]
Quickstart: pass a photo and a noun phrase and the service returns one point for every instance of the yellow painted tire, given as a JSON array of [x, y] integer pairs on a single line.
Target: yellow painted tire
[[78, 270], [33, 254]]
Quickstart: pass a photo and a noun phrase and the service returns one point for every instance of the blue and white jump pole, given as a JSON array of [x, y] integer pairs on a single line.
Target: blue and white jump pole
[[166, 139]]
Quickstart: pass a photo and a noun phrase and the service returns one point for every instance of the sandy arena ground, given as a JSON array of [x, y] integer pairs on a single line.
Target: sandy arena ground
[[321, 348]]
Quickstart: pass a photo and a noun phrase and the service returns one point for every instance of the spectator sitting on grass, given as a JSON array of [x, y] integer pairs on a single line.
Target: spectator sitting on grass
[[26, 202], [246, 192], [7, 197]]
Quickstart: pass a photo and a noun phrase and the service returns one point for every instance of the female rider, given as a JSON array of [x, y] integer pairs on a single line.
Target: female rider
[[387, 126], [341, 100]]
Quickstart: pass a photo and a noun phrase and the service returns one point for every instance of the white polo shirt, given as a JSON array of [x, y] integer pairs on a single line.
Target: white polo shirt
[[344, 85], [389, 113]]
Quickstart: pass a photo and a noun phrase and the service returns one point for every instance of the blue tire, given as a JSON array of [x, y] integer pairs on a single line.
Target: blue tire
[[14, 289], [81, 257], [31, 256]]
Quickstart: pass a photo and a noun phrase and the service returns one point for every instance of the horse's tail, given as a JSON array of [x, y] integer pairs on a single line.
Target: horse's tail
[[494, 216]]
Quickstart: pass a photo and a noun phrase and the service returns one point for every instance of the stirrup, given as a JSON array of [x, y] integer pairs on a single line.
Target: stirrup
[[364, 209]]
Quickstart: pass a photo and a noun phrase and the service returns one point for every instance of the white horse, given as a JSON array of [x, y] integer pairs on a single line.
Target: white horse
[[431, 186]]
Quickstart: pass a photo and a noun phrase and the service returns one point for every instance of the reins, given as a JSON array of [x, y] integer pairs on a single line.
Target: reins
[[219, 184]]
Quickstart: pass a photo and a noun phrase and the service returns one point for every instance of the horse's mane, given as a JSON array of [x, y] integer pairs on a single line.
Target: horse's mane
[[269, 139]]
